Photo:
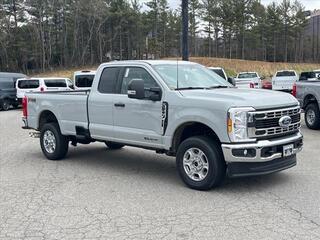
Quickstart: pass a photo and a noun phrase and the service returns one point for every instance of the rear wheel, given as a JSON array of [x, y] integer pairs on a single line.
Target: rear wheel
[[5, 105], [114, 146], [312, 116], [15, 105], [200, 163], [54, 145]]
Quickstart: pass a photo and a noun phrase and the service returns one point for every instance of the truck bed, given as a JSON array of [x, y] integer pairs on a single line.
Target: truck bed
[[69, 107]]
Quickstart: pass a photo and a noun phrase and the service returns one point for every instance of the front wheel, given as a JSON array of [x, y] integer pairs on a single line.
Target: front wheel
[[200, 163], [312, 116], [53, 144]]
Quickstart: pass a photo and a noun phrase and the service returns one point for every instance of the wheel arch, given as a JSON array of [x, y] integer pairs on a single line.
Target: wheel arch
[[47, 116], [309, 98], [190, 129]]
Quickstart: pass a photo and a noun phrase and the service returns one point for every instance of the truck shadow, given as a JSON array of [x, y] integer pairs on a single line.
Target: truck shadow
[[149, 166]]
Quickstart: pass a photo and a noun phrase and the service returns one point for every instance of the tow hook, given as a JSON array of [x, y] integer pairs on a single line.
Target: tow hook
[[34, 134]]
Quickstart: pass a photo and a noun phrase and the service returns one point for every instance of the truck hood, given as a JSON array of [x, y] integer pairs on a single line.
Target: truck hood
[[234, 97]]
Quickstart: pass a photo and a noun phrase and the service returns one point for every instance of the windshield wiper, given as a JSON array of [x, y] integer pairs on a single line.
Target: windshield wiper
[[190, 88], [218, 86]]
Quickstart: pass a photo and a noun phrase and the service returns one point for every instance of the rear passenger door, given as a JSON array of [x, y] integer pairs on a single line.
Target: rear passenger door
[[137, 122], [101, 105]]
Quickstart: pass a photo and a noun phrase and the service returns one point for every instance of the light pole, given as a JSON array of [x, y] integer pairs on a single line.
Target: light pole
[[185, 48]]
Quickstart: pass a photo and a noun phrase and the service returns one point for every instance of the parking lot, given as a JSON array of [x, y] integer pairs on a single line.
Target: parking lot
[[136, 194]]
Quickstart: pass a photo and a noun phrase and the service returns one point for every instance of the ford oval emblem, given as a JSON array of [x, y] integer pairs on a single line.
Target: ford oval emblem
[[285, 121]]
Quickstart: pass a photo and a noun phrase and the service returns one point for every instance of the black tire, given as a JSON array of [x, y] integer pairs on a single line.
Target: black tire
[[61, 142], [216, 171], [312, 123], [5, 105], [15, 105], [114, 146]]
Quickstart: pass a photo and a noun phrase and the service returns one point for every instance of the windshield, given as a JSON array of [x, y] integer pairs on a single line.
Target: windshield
[[189, 76], [286, 74], [247, 75]]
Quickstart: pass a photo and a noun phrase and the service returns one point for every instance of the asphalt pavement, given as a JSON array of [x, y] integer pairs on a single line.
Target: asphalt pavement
[[96, 193]]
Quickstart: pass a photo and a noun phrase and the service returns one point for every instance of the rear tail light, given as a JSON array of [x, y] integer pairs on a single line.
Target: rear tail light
[[251, 85], [294, 90], [25, 106], [41, 89]]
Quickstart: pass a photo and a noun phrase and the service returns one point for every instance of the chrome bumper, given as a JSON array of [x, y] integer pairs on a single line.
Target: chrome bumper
[[259, 147]]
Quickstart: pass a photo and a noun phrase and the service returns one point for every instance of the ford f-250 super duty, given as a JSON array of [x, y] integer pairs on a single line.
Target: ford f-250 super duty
[[181, 109]]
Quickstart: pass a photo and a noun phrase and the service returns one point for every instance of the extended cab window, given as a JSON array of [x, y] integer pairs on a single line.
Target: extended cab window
[[108, 80], [137, 73]]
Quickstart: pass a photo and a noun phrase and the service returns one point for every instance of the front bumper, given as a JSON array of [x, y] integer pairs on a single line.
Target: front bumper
[[262, 157]]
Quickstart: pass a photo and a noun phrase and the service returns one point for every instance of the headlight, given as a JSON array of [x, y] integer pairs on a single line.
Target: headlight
[[238, 119]]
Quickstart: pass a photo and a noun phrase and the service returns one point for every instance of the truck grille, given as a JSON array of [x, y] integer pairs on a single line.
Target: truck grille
[[265, 124]]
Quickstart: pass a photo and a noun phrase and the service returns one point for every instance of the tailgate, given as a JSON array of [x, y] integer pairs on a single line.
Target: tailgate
[[285, 83]]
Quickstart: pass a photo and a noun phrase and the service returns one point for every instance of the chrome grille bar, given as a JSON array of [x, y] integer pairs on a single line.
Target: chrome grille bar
[[265, 123]]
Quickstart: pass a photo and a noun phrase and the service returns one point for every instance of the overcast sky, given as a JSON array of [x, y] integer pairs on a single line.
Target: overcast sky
[[309, 4]]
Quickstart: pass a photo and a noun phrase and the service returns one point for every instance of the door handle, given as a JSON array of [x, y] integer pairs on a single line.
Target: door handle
[[119, 105]]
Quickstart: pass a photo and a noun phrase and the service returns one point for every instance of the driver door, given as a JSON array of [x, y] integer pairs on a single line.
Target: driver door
[[137, 122]]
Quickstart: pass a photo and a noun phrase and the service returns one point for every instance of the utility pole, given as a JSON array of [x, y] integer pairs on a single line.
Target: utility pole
[[185, 21]]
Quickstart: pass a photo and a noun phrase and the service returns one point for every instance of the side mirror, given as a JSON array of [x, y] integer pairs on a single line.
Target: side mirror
[[232, 81], [156, 93], [136, 89]]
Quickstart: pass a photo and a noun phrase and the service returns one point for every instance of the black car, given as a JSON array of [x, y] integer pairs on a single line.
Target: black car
[[8, 90]]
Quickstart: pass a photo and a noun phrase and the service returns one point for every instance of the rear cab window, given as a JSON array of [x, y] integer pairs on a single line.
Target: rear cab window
[[56, 83], [84, 80], [286, 74], [28, 84], [247, 75]]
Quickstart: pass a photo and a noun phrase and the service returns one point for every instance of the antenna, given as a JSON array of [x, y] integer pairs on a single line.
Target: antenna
[[177, 73]]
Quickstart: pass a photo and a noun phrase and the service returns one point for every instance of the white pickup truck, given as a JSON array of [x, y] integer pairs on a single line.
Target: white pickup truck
[[248, 80], [284, 80], [180, 109]]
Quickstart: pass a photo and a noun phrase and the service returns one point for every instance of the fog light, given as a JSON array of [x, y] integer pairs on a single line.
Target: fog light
[[244, 152]]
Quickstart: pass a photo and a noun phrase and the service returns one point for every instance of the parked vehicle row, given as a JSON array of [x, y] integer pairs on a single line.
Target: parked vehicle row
[[25, 85], [14, 86], [181, 109]]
